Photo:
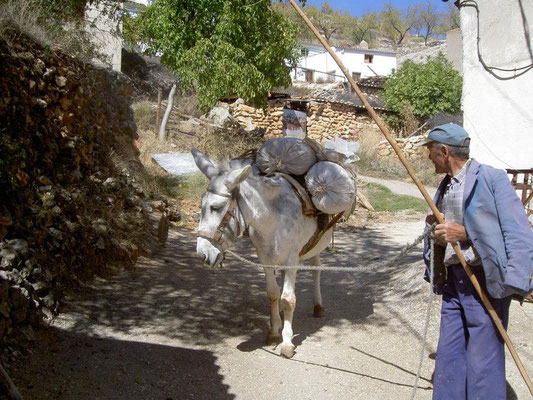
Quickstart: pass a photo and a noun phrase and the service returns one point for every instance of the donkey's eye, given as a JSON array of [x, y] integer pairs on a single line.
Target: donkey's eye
[[216, 208]]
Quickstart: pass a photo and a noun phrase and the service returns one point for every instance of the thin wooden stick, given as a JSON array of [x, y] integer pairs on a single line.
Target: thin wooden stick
[[426, 196]]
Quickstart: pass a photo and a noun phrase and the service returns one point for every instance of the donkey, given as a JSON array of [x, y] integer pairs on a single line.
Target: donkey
[[239, 197]]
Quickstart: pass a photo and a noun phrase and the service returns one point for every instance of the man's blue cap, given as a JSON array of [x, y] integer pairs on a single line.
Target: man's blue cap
[[451, 134]]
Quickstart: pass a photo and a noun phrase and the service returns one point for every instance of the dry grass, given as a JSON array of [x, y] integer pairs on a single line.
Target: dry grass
[[33, 18], [219, 144], [23, 16], [225, 144], [145, 114], [391, 167], [155, 180]]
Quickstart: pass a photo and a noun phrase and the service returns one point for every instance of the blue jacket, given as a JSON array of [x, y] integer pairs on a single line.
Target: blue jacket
[[497, 225]]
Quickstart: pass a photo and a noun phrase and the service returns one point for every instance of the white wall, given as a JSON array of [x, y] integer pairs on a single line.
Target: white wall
[[454, 49], [353, 59], [106, 33], [498, 114]]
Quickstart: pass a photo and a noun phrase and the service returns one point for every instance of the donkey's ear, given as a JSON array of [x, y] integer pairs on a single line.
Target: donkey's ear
[[235, 177], [204, 164]]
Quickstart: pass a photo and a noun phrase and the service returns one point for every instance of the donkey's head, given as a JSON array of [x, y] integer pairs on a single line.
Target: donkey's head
[[219, 204]]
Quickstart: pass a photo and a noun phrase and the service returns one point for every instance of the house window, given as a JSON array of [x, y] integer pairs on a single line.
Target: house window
[[369, 58], [330, 76], [309, 75], [305, 52], [356, 76]]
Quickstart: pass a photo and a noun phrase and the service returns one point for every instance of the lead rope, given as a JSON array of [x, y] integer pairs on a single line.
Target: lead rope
[[352, 268], [428, 313]]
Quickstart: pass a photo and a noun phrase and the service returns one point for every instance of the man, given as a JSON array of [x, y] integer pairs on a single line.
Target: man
[[484, 216]]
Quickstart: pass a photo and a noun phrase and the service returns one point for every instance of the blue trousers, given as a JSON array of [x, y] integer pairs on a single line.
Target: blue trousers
[[470, 362]]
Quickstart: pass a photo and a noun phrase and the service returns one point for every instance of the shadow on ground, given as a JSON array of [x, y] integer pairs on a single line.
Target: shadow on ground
[[172, 295], [105, 368]]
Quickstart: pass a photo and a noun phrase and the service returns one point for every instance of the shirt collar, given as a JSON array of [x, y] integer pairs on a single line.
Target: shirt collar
[[462, 173]]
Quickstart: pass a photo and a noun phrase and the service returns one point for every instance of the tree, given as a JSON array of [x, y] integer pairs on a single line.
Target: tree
[[450, 19], [393, 25], [429, 19], [288, 11], [365, 28], [327, 21], [427, 88], [221, 47]]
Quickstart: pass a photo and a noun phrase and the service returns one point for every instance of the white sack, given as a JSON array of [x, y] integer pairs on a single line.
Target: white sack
[[332, 187], [288, 155]]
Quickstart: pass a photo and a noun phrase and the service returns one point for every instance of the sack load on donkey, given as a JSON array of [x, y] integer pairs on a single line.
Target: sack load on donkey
[[330, 185], [288, 155]]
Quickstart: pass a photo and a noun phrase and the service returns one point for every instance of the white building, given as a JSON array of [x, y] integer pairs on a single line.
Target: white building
[[498, 103], [317, 64], [106, 33], [106, 28]]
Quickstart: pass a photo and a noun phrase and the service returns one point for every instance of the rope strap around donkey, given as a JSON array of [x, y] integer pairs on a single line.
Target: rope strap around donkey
[[380, 264]]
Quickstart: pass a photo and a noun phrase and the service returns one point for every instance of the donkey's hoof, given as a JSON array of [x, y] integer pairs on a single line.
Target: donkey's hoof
[[318, 311], [287, 350], [273, 339]]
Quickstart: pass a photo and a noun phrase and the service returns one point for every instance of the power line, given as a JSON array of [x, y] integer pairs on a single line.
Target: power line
[[516, 71]]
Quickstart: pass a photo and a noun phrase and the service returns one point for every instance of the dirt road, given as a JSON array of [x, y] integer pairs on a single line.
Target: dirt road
[[173, 330]]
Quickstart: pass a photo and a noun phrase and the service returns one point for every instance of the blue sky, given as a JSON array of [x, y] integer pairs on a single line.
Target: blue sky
[[359, 7]]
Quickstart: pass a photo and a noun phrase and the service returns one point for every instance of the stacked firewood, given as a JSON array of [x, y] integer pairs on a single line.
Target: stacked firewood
[[67, 211]]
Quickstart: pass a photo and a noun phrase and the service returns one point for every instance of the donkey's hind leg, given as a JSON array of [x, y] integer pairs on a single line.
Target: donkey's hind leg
[[273, 293], [287, 306], [318, 310]]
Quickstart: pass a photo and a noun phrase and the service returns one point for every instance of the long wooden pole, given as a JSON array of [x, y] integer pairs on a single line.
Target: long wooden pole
[[429, 200]]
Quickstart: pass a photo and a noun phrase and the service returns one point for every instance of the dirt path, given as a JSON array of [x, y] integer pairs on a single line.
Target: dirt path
[[173, 330]]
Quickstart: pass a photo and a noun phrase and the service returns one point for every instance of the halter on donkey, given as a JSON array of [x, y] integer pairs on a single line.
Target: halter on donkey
[[239, 197]]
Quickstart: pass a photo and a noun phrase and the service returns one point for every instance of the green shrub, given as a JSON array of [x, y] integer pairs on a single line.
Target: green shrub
[[426, 88]]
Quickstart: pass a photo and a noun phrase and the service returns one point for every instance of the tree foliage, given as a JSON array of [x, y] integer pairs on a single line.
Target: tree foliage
[[429, 19], [329, 22], [450, 19], [221, 47], [427, 88], [365, 28], [394, 25], [288, 11]]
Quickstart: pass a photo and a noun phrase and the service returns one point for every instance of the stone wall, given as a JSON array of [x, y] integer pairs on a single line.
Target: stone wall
[[67, 211], [327, 120], [324, 121], [408, 146]]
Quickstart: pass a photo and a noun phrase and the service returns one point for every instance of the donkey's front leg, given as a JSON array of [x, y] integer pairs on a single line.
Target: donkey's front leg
[[318, 310], [288, 304], [273, 336]]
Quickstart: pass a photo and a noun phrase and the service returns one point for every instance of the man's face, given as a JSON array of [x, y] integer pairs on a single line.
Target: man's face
[[438, 155]]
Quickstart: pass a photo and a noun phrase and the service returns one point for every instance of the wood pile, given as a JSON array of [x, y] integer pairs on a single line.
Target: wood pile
[[67, 212]]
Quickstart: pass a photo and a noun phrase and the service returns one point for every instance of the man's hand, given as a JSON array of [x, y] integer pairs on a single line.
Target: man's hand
[[450, 232]]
